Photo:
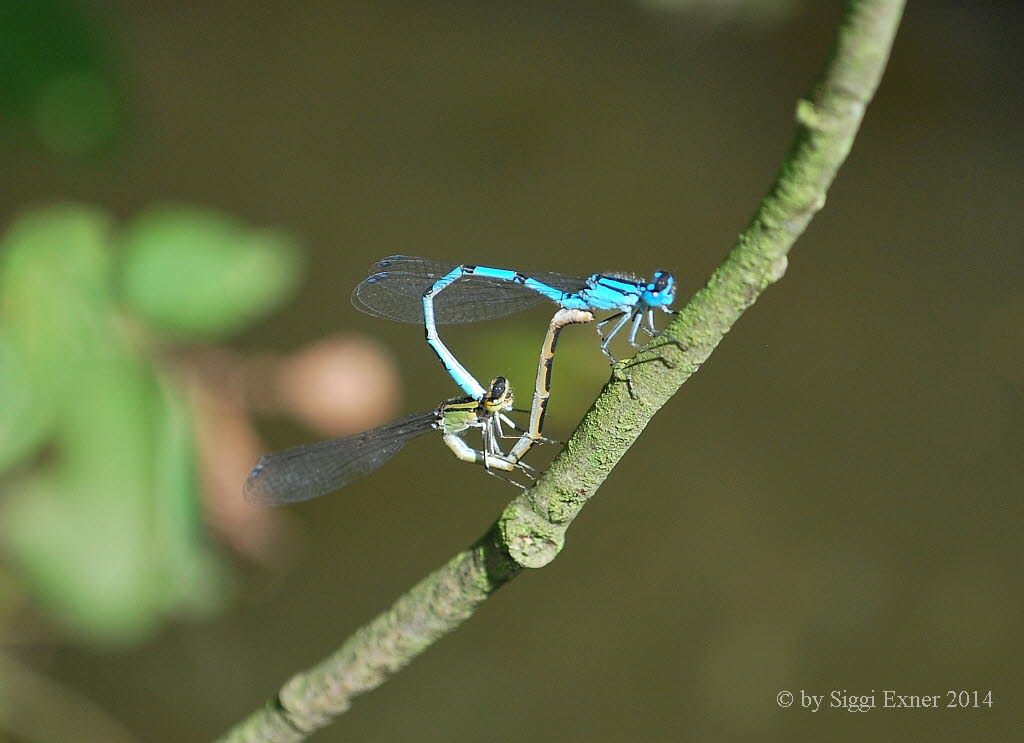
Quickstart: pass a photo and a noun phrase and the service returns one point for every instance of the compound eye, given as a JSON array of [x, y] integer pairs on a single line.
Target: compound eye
[[499, 385]]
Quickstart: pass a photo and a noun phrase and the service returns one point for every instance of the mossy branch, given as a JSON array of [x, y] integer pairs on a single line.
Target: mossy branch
[[532, 528]]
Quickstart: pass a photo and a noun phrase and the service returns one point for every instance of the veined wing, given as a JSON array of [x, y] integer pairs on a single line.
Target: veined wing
[[311, 470], [395, 288]]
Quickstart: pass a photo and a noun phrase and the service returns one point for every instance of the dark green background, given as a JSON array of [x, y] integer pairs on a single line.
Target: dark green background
[[833, 502]]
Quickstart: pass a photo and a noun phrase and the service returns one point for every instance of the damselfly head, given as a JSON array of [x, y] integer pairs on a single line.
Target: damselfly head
[[661, 292], [499, 397]]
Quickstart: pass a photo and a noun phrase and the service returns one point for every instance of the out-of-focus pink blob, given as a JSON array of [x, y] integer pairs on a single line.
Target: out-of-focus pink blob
[[339, 385], [227, 448]]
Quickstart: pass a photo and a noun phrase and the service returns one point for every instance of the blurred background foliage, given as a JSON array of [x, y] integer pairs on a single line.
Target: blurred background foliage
[[58, 81], [832, 503], [100, 517]]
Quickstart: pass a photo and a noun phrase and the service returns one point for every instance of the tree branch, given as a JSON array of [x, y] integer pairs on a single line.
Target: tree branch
[[531, 530]]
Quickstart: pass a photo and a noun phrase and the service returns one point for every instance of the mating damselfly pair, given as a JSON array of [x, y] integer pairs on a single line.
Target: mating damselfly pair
[[417, 290]]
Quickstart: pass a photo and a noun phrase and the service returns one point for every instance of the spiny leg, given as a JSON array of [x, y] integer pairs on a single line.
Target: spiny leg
[[495, 429], [618, 371], [542, 439], [652, 331], [494, 453], [496, 422], [607, 320], [506, 478], [491, 464], [638, 322], [496, 466], [623, 318], [491, 433], [511, 424]]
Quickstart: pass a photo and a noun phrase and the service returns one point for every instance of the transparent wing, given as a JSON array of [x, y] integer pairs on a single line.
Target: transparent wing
[[311, 470], [424, 267], [395, 287], [399, 296]]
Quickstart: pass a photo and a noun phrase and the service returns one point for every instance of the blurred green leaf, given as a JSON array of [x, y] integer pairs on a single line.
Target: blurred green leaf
[[197, 274], [108, 537], [56, 271], [26, 414], [195, 580], [78, 565], [55, 305], [82, 533]]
